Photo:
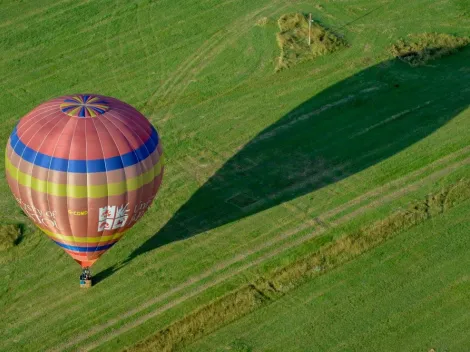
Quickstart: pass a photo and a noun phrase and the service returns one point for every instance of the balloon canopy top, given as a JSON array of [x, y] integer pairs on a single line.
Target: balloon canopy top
[[84, 106]]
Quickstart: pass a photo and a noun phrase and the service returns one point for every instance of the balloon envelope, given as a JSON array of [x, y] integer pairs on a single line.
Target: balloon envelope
[[84, 168]]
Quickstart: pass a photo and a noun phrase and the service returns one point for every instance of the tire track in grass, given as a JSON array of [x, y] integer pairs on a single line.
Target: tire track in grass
[[395, 183], [225, 264], [38, 11], [178, 74], [108, 35], [182, 70], [140, 29], [403, 191], [89, 50], [12, 76], [210, 49], [86, 51]]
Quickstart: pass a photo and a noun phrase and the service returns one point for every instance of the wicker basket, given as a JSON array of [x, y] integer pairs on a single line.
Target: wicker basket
[[85, 283]]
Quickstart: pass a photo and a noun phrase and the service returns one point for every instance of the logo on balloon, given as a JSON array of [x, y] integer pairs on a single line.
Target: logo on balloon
[[79, 213], [112, 217], [139, 210], [42, 217]]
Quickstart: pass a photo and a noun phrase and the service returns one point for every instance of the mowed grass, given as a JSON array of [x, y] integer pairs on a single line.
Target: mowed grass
[[203, 72], [410, 294]]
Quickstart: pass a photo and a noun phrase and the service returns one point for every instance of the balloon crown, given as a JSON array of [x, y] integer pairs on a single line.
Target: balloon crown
[[84, 106]]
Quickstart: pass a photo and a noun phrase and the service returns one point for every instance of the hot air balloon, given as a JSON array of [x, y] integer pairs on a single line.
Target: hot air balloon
[[84, 168]]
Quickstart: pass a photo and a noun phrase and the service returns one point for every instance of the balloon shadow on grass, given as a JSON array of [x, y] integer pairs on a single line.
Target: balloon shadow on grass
[[339, 132]]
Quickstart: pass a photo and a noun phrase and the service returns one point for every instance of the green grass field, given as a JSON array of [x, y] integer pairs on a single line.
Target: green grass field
[[257, 162], [410, 294]]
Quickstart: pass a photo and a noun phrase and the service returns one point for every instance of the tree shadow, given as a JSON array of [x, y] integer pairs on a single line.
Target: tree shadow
[[341, 131]]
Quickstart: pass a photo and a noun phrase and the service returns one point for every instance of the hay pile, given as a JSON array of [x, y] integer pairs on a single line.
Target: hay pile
[[420, 49], [293, 40]]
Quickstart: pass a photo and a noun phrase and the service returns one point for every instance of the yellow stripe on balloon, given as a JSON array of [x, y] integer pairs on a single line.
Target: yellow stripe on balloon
[[91, 112], [91, 191], [74, 111], [75, 239]]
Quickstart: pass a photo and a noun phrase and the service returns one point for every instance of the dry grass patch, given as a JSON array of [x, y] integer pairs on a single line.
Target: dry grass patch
[[293, 40], [419, 49]]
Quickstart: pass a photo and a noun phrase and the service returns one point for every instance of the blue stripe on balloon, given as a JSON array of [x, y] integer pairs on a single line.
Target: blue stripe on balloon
[[84, 166], [85, 249], [101, 111]]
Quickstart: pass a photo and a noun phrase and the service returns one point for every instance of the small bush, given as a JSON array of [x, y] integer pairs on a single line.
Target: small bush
[[421, 48], [293, 40], [10, 235]]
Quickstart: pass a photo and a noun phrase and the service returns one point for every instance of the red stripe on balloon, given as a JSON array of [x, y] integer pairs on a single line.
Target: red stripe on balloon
[[121, 125]]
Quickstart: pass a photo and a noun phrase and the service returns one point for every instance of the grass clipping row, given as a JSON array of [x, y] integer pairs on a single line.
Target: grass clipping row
[[274, 285], [419, 49], [293, 39]]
